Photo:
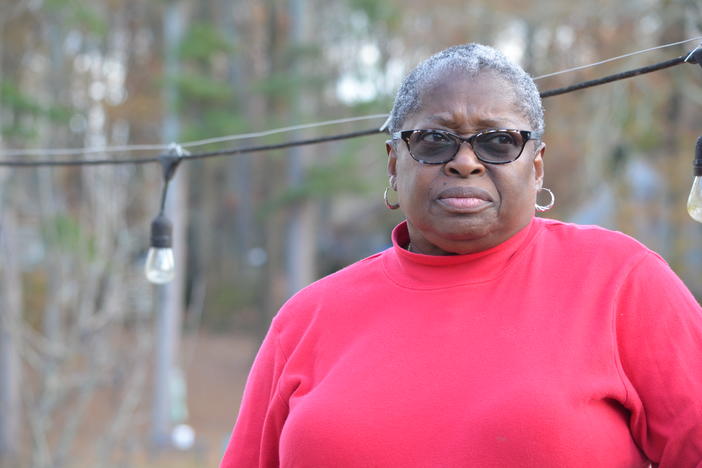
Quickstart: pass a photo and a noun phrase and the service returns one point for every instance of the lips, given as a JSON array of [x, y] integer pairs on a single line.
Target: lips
[[464, 199]]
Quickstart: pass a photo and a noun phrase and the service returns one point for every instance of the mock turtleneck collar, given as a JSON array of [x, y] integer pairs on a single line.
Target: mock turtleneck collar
[[418, 271]]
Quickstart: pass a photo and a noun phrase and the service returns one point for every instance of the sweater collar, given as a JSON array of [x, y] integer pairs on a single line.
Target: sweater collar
[[418, 271]]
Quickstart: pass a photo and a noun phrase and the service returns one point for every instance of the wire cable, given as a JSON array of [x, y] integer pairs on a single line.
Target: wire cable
[[277, 146], [615, 77], [211, 154], [189, 144], [631, 54], [222, 139], [279, 130], [80, 151], [310, 141]]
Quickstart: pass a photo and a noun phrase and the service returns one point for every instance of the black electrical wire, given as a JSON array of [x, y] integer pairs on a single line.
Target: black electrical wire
[[342, 136], [616, 77], [309, 141], [211, 154], [79, 162]]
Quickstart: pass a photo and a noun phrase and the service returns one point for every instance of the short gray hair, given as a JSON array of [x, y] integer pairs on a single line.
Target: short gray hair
[[472, 59]]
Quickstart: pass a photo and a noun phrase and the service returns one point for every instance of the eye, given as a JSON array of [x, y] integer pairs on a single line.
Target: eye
[[499, 139], [432, 136]]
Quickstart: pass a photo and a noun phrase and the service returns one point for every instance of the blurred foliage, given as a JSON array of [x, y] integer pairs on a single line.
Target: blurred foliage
[[23, 105], [241, 71], [203, 42], [202, 89], [34, 298], [340, 176], [67, 235], [215, 122], [281, 85], [14, 98], [379, 12], [78, 14], [226, 298], [246, 74]]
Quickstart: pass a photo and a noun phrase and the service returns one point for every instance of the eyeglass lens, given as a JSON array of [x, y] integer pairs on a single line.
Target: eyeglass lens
[[437, 147]]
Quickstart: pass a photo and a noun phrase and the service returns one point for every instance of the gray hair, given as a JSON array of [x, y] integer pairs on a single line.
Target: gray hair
[[471, 59]]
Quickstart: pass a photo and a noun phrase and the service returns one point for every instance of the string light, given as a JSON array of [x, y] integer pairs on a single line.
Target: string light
[[692, 57], [694, 201], [160, 261]]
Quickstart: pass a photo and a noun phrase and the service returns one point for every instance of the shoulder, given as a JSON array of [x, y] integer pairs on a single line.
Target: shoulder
[[595, 254], [331, 292], [599, 254], [590, 239], [343, 280]]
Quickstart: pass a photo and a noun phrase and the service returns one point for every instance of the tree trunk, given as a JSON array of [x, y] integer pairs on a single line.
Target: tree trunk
[[300, 245], [168, 323], [10, 323], [10, 317]]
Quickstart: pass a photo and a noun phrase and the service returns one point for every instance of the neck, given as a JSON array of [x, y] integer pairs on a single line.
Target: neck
[[427, 244]]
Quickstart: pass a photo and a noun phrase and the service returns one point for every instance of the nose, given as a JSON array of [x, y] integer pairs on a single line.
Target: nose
[[465, 163]]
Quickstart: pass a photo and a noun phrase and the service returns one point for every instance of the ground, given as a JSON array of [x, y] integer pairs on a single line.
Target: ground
[[216, 366], [216, 376]]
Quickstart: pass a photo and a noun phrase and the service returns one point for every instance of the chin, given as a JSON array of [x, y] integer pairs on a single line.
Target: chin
[[466, 230], [472, 237], [463, 241]]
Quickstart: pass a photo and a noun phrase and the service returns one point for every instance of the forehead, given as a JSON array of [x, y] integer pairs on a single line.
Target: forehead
[[459, 101]]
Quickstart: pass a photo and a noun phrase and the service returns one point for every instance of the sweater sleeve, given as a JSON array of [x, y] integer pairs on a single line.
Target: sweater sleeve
[[659, 339], [254, 439]]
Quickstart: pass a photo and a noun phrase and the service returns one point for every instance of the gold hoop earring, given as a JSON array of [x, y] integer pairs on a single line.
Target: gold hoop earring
[[547, 206], [391, 206]]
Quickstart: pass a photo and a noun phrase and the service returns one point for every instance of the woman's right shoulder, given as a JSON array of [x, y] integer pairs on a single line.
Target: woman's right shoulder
[[329, 292]]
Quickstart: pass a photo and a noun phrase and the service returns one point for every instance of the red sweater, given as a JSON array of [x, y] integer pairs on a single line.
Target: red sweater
[[566, 346]]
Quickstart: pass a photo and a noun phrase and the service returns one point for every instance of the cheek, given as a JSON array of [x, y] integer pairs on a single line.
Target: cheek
[[516, 187], [406, 173], [413, 185], [407, 191]]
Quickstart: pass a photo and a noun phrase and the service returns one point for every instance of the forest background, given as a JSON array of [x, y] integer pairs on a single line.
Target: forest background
[[100, 368]]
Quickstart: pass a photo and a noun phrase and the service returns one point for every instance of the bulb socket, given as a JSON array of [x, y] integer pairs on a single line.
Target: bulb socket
[[161, 232], [697, 163], [695, 56]]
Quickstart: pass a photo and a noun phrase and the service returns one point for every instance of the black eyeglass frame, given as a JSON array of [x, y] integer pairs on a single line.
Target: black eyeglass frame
[[526, 135]]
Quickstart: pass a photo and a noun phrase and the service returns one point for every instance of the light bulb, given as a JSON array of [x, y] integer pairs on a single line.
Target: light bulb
[[160, 262], [694, 201], [160, 265]]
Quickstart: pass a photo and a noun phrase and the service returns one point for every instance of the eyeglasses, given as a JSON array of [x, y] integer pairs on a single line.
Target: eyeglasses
[[495, 146]]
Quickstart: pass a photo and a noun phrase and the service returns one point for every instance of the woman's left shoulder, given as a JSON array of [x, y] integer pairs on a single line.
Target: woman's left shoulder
[[590, 238]]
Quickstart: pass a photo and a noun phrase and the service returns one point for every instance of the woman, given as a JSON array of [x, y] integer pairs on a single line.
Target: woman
[[484, 337]]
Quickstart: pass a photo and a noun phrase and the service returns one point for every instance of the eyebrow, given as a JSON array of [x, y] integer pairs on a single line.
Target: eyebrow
[[447, 120]]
